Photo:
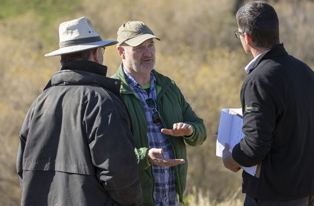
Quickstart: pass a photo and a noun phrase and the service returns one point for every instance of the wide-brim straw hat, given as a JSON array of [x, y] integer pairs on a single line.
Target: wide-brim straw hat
[[78, 35]]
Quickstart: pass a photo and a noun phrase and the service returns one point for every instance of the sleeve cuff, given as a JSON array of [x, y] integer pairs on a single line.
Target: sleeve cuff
[[191, 137]]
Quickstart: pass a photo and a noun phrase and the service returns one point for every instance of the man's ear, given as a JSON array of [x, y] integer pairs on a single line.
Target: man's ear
[[247, 39], [96, 54], [121, 51]]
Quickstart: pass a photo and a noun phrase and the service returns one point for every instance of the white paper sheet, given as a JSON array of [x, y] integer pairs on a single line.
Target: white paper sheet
[[230, 131]]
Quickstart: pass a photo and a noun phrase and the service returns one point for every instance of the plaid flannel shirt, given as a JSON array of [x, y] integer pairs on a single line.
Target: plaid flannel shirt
[[164, 191]]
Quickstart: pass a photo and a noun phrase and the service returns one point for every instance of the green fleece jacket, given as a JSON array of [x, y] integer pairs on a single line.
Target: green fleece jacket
[[173, 109]]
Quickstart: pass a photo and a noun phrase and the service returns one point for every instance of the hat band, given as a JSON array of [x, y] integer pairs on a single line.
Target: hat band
[[79, 41]]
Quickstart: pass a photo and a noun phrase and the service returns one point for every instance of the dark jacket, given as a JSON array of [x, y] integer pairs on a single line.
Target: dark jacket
[[278, 103], [173, 108], [76, 144]]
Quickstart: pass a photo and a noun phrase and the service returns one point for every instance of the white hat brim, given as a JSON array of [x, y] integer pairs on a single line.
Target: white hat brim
[[82, 47]]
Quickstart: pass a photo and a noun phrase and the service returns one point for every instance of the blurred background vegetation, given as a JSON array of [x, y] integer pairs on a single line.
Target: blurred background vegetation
[[197, 49]]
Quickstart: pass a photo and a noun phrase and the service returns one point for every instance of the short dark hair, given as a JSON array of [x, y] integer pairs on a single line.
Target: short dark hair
[[259, 20], [81, 55]]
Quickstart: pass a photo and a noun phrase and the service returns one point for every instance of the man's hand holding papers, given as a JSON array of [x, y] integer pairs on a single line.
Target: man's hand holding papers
[[228, 160], [229, 134]]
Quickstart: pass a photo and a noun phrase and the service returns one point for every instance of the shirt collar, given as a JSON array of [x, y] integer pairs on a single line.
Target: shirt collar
[[130, 79], [250, 65], [133, 83]]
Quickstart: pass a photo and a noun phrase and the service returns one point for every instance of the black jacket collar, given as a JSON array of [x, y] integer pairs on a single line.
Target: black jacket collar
[[87, 66], [84, 73], [276, 50]]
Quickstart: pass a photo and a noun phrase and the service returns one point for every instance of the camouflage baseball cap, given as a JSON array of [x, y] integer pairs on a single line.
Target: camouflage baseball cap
[[134, 33]]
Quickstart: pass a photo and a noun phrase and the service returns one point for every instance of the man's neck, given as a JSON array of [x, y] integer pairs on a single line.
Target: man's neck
[[141, 78], [255, 51]]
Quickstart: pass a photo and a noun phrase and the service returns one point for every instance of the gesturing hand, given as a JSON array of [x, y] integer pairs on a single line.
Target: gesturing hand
[[179, 129], [155, 158]]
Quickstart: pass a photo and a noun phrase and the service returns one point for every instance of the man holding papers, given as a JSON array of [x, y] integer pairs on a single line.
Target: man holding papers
[[277, 100]]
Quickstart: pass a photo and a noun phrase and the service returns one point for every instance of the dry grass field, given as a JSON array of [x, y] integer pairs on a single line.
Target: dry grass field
[[197, 50]]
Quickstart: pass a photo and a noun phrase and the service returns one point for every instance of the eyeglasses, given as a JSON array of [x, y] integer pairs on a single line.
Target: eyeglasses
[[238, 34], [155, 115]]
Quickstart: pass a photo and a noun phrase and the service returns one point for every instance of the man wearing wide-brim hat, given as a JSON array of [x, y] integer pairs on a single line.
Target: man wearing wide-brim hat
[[76, 146]]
